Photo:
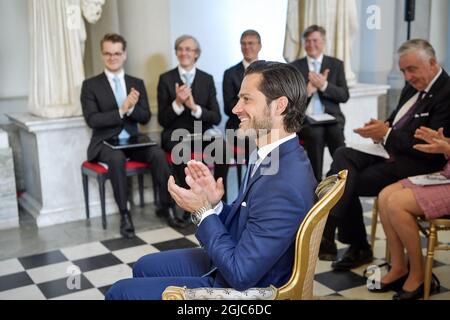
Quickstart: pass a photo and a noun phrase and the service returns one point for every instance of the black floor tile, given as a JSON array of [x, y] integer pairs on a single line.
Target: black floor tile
[[97, 262], [60, 287], [104, 289], [339, 281], [15, 280], [121, 243], [174, 244], [190, 229], [42, 259]]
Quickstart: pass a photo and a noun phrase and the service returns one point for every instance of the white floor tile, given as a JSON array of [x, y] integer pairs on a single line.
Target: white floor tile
[[320, 290], [50, 272], [160, 235], [84, 251], [193, 238], [90, 294], [31, 292], [323, 266], [107, 276], [133, 254], [361, 293], [10, 266]]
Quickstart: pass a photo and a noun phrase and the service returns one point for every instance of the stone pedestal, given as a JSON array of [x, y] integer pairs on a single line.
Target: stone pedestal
[[9, 214], [362, 105], [53, 151]]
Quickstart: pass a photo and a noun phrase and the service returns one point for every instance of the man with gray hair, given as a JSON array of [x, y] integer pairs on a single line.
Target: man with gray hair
[[424, 101]]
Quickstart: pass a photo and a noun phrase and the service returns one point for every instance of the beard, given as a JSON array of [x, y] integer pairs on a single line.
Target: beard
[[259, 127]]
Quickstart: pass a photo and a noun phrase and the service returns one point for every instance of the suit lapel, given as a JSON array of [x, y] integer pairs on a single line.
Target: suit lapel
[[109, 93], [284, 148]]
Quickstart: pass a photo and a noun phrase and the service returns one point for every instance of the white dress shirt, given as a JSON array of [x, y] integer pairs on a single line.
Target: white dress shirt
[[263, 152]]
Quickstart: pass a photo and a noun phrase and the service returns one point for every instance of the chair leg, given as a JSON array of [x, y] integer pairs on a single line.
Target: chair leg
[[141, 189], [429, 261], [239, 174], [86, 193], [101, 187], [373, 229]]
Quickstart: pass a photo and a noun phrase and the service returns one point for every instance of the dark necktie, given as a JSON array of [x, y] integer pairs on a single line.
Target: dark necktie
[[409, 114]]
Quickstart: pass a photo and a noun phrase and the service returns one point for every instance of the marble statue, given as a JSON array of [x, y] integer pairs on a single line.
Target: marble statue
[[57, 37], [338, 17]]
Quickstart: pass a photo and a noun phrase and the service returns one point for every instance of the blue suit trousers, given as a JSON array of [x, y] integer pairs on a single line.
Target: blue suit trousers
[[153, 273]]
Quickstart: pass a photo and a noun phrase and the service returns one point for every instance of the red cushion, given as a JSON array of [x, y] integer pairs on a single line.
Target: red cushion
[[94, 166]]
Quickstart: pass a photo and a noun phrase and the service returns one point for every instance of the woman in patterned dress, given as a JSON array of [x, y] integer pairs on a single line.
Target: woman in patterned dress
[[399, 206]]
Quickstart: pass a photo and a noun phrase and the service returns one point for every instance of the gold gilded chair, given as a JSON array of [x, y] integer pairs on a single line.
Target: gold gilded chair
[[300, 285], [435, 225]]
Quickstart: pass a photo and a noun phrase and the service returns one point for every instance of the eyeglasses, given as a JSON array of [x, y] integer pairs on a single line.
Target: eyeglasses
[[249, 43], [111, 55], [185, 50]]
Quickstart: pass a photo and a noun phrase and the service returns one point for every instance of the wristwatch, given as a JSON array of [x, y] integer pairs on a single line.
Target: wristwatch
[[197, 215]]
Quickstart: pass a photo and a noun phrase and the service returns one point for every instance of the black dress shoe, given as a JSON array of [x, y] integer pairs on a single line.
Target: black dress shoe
[[327, 250], [395, 285], [126, 226], [419, 292], [174, 221], [353, 258], [409, 295]]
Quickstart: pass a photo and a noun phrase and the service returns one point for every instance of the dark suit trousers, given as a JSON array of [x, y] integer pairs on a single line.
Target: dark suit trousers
[[316, 138], [154, 155], [367, 176]]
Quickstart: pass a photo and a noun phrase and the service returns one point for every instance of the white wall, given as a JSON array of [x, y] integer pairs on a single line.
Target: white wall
[[218, 26], [13, 56]]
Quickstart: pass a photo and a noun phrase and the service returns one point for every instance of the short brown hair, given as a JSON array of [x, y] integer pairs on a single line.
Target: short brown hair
[[114, 38], [314, 28], [251, 33]]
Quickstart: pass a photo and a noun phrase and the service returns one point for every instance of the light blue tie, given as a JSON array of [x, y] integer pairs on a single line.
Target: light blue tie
[[188, 78], [251, 163], [120, 98], [318, 107]]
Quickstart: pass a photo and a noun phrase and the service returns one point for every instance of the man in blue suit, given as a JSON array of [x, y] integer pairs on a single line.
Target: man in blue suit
[[249, 243]]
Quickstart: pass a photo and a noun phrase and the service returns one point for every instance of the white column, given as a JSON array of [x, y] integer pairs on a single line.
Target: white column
[[439, 27]]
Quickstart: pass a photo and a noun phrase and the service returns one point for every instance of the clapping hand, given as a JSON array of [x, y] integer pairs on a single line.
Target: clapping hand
[[436, 141], [131, 100], [200, 179], [374, 129], [189, 200]]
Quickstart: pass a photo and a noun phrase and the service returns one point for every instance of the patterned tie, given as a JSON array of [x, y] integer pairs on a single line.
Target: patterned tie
[[188, 79], [409, 114], [318, 107], [120, 98]]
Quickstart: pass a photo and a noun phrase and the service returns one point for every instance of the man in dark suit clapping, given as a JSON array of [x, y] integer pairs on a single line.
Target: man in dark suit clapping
[[113, 104], [327, 88], [186, 99], [424, 101]]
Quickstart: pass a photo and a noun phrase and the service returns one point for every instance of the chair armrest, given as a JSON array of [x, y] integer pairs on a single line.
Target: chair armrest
[[178, 293]]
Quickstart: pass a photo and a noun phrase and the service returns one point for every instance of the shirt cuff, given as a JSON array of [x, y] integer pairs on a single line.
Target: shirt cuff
[[130, 111], [324, 87], [216, 210], [176, 108], [197, 114]]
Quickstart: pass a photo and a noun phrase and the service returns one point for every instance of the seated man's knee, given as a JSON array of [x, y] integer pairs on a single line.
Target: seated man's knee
[[118, 159], [118, 291]]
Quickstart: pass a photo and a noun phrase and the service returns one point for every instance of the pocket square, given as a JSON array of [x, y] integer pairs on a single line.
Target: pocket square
[[421, 115], [244, 204]]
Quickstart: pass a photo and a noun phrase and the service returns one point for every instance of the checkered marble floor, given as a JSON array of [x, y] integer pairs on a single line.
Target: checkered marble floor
[[47, 275]]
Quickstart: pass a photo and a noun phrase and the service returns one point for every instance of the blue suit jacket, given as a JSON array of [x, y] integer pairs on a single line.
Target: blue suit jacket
[[252, 241]]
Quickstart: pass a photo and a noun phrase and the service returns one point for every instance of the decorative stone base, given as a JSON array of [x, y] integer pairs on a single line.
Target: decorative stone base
[[9, 214], [53, 151]]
